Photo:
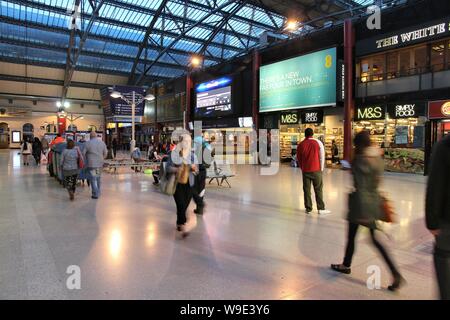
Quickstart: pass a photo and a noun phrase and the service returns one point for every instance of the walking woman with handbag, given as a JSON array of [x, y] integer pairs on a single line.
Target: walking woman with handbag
[[180, 163], [365, 204], [71, 163]]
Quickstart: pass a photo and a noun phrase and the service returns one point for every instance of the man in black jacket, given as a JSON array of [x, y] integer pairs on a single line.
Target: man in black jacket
[[438, 213]]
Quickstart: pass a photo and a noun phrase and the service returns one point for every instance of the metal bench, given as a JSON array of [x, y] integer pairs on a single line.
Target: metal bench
[[112, 166], [219, 171]]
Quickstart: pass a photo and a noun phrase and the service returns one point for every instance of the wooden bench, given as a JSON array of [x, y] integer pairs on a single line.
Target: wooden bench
[[219, 171]]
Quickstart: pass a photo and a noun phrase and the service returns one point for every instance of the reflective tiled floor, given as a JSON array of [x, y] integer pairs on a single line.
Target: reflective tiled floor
[[254, 241]]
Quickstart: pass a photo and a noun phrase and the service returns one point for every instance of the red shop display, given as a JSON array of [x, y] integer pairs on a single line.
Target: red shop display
[[61, 125], [439, 109]]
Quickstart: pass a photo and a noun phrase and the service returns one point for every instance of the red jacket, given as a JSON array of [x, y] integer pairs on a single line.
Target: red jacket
[[311, 155]]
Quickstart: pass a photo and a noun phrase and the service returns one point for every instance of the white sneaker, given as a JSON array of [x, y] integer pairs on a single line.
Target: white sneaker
[[324, 212]]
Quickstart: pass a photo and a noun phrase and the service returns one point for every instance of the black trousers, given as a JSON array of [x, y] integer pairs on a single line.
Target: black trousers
[[352, 231], [442, 267], [182, 196], [70, 182], [199, 189]]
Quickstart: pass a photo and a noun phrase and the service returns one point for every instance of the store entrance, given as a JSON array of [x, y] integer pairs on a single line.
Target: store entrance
[[292, 134], [4, 136]]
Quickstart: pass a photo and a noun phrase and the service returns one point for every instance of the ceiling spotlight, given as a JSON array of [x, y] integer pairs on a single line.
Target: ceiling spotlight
[[196, 61], [291, 25], [58, 104], [149, 97], [66, 104], [116, 94]]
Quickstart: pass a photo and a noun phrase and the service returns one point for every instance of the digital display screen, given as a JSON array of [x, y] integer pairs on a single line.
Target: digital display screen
[[214, 98], [16, 137]]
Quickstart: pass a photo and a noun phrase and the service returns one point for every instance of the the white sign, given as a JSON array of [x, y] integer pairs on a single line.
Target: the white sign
[[405, 110], [410, 36]]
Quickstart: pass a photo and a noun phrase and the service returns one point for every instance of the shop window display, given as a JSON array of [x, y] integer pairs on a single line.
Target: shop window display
[[401, 139]]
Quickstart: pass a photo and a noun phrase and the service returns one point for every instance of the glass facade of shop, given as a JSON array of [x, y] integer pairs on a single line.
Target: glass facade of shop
[[399, 129], [428, 57]]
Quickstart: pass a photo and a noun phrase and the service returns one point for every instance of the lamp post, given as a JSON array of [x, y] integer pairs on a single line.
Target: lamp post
[[133, 103]]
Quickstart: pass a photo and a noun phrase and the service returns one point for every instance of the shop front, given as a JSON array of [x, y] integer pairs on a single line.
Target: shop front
[[397, 128], [302, 92], [439, 115]]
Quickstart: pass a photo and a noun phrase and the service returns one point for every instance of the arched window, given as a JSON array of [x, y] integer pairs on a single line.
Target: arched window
[[28, 128]]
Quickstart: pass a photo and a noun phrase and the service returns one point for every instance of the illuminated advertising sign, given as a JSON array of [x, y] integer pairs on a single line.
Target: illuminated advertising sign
[[439, 109], [301, 82], [214, 98], [376, 112]]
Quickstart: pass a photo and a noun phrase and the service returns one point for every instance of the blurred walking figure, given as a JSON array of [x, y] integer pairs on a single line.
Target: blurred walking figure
[[311, 160], [438, 213], [365, 204], [334, 152], [114, 147], [37, 150], [95, 153], [205, 150], [44, 144], [26, 151], [70, 160], [180, 162]]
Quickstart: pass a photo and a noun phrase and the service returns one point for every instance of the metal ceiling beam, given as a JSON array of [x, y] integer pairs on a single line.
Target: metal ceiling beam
[[144, 43], [8, 77], [106, 39], [269, 14], [127, 25], [48, 64], [45, 46], [142, 76], [190, 3], [46, 98], [73, 62], [220, 26], [70, 48]]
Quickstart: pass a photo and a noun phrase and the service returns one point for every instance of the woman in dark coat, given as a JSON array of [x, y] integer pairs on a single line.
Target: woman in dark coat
[[37, 150], [365, 204]]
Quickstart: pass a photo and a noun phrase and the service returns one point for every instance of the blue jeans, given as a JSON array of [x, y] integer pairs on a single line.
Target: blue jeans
[[95, 178]]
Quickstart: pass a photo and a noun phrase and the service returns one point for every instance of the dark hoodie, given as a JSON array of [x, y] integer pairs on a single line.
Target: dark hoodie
[[438, 193]]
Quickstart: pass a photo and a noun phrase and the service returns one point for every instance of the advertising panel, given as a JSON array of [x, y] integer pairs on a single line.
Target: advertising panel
[[214, 98], [301, 82]]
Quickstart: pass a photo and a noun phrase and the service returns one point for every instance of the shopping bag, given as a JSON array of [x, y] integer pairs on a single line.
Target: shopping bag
[[387, 211], [80, 159], [168, 182]]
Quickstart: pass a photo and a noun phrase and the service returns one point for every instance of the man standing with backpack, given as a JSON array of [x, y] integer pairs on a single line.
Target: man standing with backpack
[[438, 213]]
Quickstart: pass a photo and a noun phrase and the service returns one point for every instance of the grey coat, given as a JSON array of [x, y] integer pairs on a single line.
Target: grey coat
[[95, 153], [365, 201]]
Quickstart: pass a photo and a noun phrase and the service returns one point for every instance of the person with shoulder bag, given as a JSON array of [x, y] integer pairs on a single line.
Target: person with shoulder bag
[[181, 170], [26, 150], [71, 164], [366, 205]]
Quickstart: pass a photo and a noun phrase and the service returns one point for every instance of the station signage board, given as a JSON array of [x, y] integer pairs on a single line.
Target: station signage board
[[406, 110], [312, 116], [432, 30], [439, 109], [291, 117], [371, 112]]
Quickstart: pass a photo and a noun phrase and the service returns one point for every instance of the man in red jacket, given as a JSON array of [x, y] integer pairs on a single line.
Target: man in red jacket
[[311, 160]]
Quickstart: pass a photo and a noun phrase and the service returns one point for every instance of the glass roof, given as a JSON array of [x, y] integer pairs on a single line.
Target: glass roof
[[39, 31]]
